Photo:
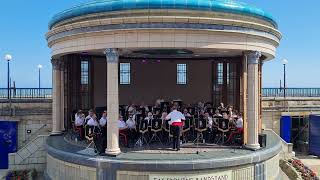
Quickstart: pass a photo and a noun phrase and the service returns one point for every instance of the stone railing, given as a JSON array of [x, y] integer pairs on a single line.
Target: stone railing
[[287, 148]]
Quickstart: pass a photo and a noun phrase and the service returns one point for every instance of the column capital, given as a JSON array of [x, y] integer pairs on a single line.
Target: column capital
[[253, 56], [112, 55], [57, 64]]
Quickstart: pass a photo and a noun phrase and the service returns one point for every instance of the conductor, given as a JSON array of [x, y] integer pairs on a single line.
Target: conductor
[[176, 118]]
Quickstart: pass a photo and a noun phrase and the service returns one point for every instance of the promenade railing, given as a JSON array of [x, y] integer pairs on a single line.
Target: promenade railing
[[46, 93], [26, 93], [291, 92]]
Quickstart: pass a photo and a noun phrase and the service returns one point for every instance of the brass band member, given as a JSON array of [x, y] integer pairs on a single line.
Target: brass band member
[[79, 123], [103, 119], [132, 132], [176, 123]]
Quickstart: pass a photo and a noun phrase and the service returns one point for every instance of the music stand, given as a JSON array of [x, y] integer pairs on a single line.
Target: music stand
[[167, 129], [179, 103], [89, 135], [223, 128], [201, 126], [156, 127], [155, 110], [164, 105], [143, 128]]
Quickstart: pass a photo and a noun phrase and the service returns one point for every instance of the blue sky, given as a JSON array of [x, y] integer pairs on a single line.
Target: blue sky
[[24, 24]]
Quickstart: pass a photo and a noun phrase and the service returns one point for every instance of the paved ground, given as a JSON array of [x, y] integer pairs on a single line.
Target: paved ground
[[311, 161]]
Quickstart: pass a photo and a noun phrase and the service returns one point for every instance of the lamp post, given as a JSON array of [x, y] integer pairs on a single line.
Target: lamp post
[[39, 70], [8, 58], [284, 62]]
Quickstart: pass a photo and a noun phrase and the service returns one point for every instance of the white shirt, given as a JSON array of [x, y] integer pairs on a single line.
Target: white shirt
[[103, 121], [210, 122], [122, 124], [175, 116], [239, 123], [149, 118], [92, 122], [131, 124], [79, 121]]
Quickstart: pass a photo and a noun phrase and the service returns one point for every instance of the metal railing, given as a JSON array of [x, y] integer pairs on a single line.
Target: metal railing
[[46, 93], [26, 93], [291, 92]]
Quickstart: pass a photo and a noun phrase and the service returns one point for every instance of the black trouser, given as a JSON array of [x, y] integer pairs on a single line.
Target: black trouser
[[210, 135], [132, 136], [176, 137]]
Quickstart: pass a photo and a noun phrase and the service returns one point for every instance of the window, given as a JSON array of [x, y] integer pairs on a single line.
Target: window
[[84, 72], [124, 73], [220, 73], [182, 74]]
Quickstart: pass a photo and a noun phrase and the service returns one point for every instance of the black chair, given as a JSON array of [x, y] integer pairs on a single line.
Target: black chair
[[186, 128], [223, 128], [143, 129], [200, 127], [167, 134], [156, 128]]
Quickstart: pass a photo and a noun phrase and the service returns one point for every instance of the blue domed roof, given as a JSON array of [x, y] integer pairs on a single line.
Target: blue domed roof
[[100, 6]]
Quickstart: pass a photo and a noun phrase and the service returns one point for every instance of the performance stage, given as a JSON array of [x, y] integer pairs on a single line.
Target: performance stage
[[66, 160], [110, 54]]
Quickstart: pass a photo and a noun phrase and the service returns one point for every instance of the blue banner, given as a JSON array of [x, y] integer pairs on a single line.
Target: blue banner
[[8, 141]]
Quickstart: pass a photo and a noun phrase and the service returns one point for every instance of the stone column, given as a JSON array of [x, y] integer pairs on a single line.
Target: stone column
[[62, 96], [112, 56], [253, 100], [56, 97], [244, 97]]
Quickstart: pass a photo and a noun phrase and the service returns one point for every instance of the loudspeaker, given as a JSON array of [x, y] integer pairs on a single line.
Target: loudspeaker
[[262, 140]]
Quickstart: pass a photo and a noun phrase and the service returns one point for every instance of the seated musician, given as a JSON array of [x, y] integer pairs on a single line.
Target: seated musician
[[230, 111], [158, 102], [224, 124], [175, 122], [191, 111], [239, 127], [131, 124], [217, 114], [93, 125], [122, 124], [200, 106], [91, 119], [103, 119], [222, 107], [79, 122], [157, 112], [103, 123], [145, 107], [132, 108], [149, 117], [186, 113], [91, 116], [210, 134], [239, 122]]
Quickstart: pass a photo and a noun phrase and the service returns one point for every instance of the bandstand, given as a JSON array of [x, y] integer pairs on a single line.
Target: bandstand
[[107, 53]]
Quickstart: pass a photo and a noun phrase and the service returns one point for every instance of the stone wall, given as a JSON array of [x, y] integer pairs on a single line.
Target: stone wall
[[274, 108], [34, 119], [59, 170]]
